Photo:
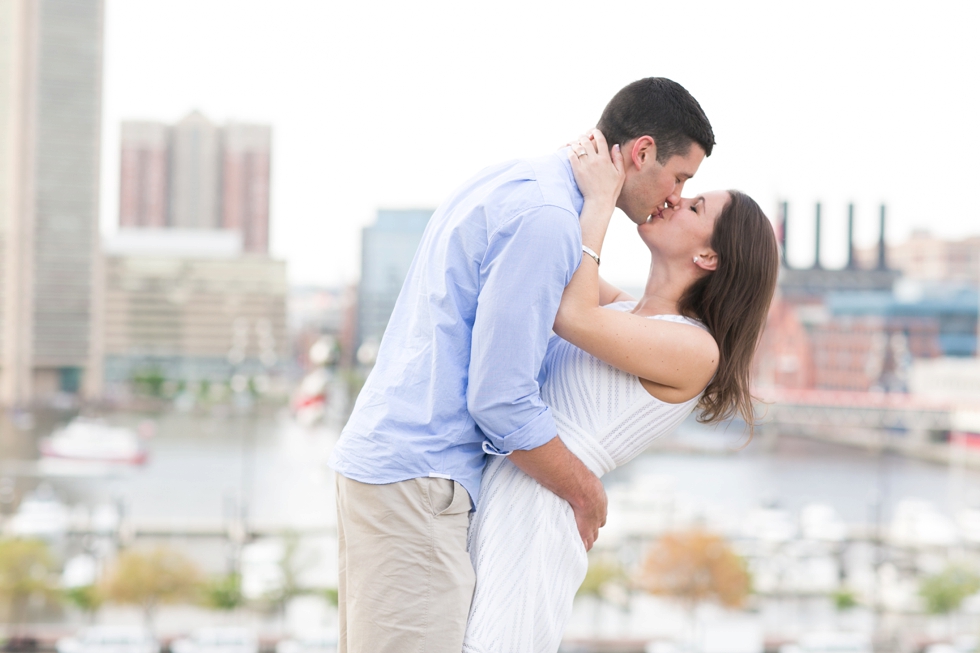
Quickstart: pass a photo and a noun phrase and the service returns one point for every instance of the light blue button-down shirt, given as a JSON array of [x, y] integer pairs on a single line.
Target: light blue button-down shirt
[[459, 371]]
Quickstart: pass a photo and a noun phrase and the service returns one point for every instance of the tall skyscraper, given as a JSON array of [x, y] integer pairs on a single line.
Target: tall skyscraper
[[387, 250], [245, 183], [50, 121], [195, 196], [196, 175], [144, 171]]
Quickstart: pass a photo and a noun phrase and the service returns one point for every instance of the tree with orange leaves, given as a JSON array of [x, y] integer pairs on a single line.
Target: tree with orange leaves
[[150, 577], [694, 567]]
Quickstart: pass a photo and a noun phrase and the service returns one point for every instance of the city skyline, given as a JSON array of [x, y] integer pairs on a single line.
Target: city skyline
[[398, 105]]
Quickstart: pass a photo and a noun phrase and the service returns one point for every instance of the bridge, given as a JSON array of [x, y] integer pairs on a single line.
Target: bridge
[[907, 424]]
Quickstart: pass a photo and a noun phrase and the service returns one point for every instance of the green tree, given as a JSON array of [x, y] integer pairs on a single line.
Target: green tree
[[148, 579], [224, 593], [603, 569], [86, 598], [149, 381], [844, 599], [26, 573], [293, 564], [944, 592], [605, 573], [331, 595], [292, 567]]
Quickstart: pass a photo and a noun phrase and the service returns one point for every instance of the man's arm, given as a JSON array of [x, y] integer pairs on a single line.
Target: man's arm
[[558, 469], [529, 261]]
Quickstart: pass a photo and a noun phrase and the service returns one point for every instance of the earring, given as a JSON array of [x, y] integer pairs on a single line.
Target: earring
[[697, 258]]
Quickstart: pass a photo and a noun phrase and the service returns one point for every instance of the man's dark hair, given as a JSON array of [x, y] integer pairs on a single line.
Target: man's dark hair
[[659, 108]]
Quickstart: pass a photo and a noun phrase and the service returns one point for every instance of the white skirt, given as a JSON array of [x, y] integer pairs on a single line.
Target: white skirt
[[529, 561]]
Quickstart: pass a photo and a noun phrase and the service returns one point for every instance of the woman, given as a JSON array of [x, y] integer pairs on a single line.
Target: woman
[[622, 373]]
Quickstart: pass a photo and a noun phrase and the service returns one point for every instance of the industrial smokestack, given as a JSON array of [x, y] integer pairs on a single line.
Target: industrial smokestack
[[816, 248], [882, 262], [783, 224], [851, 263]]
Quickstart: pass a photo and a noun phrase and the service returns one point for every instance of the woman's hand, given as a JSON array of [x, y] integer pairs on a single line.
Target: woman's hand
[[599, 173]]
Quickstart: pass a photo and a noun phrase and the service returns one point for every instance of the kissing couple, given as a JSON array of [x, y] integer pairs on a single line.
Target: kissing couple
[[511, 377]]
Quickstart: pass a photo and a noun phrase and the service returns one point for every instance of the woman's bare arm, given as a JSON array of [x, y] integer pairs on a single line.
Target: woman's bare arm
[[610, 294], [678, 356], [675, 355]]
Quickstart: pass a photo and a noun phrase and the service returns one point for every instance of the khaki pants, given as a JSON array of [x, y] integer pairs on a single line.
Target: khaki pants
[[405, 577]]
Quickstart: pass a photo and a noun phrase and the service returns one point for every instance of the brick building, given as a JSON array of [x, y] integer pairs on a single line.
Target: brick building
[[197, 175], [246, 159], [144, 169], [860, 328]]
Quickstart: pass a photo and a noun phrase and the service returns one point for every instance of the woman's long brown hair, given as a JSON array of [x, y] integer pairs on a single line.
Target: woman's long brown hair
[[733, 302]]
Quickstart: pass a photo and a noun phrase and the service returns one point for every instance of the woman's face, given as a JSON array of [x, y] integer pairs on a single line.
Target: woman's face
[[684, 231]]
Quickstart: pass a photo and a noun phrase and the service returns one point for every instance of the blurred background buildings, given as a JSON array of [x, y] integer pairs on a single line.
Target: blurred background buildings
[[50, 142], [195, 175], [924, 257], [387, 250], [863, 328], [185, 288], [191, 305], [191, 293]]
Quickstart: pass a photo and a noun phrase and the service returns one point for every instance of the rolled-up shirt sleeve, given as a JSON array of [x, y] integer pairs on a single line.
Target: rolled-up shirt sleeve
[[528, 263]]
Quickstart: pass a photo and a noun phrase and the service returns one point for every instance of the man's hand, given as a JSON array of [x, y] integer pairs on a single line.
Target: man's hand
[[558, 469], [590, 516]]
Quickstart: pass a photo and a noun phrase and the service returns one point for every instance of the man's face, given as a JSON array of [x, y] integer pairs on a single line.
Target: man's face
[[650, 185]]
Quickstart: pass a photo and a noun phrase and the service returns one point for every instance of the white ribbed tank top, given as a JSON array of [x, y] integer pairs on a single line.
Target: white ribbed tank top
[[523, 540]]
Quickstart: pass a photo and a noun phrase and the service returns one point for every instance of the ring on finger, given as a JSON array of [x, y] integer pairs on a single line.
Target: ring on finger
[[581, 153]]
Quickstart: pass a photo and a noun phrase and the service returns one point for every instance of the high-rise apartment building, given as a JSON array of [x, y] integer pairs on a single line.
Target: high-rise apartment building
[[245, 183], [144, 175], [387, 250], [50, 121], [196, 175]]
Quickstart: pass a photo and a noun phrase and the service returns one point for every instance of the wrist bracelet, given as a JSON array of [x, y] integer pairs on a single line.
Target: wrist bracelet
[[588, 250]]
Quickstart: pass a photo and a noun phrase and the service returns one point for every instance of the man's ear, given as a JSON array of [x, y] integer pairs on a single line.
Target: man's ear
[[642, 151], [707, 261]]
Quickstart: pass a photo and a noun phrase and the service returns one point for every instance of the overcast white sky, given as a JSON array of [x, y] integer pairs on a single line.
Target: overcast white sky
[[393, 104]]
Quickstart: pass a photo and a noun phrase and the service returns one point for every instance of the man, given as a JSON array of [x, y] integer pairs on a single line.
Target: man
[[459, 371]]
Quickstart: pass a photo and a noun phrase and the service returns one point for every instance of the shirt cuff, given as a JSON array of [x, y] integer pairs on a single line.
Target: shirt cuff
[[491, 450], [539, 431]]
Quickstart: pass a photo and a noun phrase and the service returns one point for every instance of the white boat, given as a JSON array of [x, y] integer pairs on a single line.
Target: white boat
[[968, 522], [771, 525], [917, 523], [93, 440], [819, 521], [80, 571], [40, 514], [262, 573]]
